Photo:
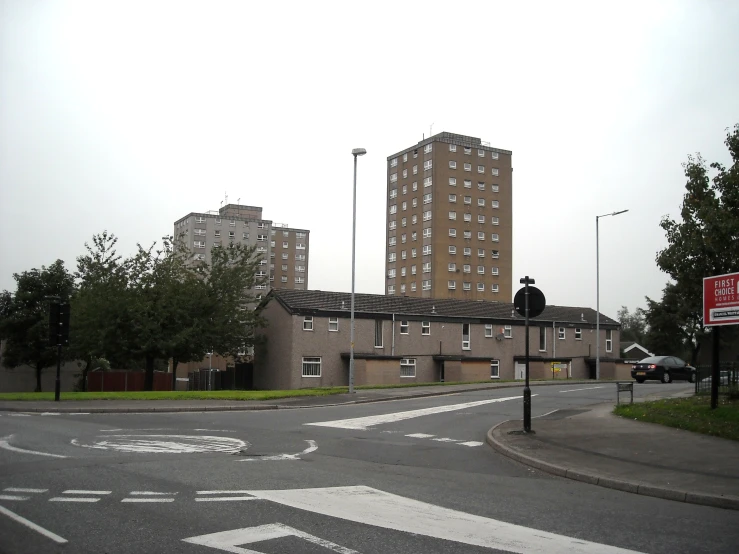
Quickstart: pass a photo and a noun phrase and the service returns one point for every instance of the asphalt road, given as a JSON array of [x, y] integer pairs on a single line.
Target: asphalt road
[[410, 476]]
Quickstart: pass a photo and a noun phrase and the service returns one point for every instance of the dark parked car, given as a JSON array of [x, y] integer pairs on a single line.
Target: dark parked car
[[662, 368]]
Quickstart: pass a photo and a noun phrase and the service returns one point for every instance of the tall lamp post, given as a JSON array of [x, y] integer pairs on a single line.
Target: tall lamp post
[[355, 152], [597, 293]]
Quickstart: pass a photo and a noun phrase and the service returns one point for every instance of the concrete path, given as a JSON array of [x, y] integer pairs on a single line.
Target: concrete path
[[594, 446]]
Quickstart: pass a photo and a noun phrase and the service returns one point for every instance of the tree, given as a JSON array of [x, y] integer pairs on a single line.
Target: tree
[[24, 317], [667, 332], [706, 241], [633, 326]]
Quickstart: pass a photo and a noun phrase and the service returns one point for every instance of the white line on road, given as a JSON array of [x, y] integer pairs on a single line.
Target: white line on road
[[225, 498], [471, 443], [222, 492], [20, 415], [31, 525], [311, 448], [73, 499], [13, 497], [140, 500], [4, 443], [74, 491], [50, 413], [420, 436], [445, 439], [588, 388], [19, 489], [363, 423], [389, 511], [151, 493]]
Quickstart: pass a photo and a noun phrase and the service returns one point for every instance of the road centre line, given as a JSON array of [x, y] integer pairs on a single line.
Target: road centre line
[[31, 525], [19, 489], [74, 491], [225, 498], [73, 499], [222, 492], [151, 493], [5, 443], [444, 439], [142, 500], [471, 443], [588, 388], [13, 497], [420, 436], [364, 423]]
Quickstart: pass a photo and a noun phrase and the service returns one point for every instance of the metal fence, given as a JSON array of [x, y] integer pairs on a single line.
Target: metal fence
[[728, 379]]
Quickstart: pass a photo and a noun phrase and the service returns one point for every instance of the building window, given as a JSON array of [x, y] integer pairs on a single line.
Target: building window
[[488, 330], [261, 225], [494, 270], [452, 181], [405, 173], [405, 206], [391, 289], [218, 234], [427, 165], [300, 280], [495, 188], [468, 167], [392, 225], [391, 241], [426, 285], [393, 209], [481, 219], [391, 273], [466, 336], [391, 257], [609, 340], [393, 193], [452, 164], [413, 270], [283, 267], [427, 232], [466, 268], [403, 222], [283, 279], [480, 235], [495, 237], [468, 217], [415, 170], [494, 155], [413, 252], [452, 249], [494, 287], [561, 333], [468, 200], [427, 250], [333, 324], [285, 255], [427, 198], [578, 334], [308, 323], [495, 204], [481, 269], [481, 169], [402, 272], [452, 198], [393, 177], [414, 219], [495, 171], [413, 286], [451, 285], [452, 148], [453, 215], [495, 369], [218, 221], [394, 162], [427, 148], [427, 182], [467, 286], [405, 189], [480, 252], [425, 328], [467, 184], [481, 202], [507, 332], [402, 255], [199, 244], [542, 339], [199, 219], [480, 287], [452, 266], [402, 286], [408, 367], [468, 234], [452, 232], [467, 151], [312, 367], [378, 333], [427, 215], [414, 203], [403, 327], [405, 157], [495, 221], [467, 251], [403, 238], [427, 267]]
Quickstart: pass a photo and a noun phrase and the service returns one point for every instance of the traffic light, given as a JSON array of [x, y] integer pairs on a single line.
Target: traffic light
[[59, 324]]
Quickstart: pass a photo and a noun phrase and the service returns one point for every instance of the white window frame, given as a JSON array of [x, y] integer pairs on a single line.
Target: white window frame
[[452, 148], [426, 285], [609, 340], [426, 250], [425, 328], [308, 323], [333, 324], [453, 216], [507, 332], [404, 327], [427, 215], [495, 204], [427, 165], [481, 219], [495, 369], [561, 333], [452, 164], [481, 270], [427, 233], [451, 285], [480, 287], [495, 172], [466, 285], [542, 336], [466, 342], [578, 333], [494, 287], [481, 169], [452, 181], [468, 167], [311, 363], [495, 237], [408, 368], [488, 330], [495, 220]]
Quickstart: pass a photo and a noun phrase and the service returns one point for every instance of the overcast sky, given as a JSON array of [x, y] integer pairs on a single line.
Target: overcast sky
[[126, 116]]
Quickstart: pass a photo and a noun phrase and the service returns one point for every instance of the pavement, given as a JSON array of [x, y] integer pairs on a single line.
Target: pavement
[[593, 445], [587, 444]]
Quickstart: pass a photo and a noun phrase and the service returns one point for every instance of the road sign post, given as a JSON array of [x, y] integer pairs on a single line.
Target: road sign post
[[529, 302], [720, 307]]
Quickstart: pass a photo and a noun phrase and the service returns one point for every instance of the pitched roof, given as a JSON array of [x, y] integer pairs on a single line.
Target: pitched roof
[[318, 301]]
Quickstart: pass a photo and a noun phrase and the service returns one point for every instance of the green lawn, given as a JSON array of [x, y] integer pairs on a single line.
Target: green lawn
[[216, 395], [691, 414]]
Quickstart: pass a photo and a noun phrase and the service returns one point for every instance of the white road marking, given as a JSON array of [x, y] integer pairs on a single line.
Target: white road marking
[[79, 413], [4, 443], [141, 500], [73, 499], [19, 489], [151, 493], [225, 498], [420, 436], [74, 491], [222, 492], [311, 448], [229, 540], [588, 388], [50, 413], [374, 507], [20, 415], [445, 439], [166, 444], [471, 443], [13, 497], [31, 525], [364, 423]]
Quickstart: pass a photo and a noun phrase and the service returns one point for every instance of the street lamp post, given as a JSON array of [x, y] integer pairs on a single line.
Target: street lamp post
[[597, 293], [355, 152]]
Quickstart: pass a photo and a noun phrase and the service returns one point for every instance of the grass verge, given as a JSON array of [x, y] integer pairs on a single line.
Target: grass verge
[[691, 414]]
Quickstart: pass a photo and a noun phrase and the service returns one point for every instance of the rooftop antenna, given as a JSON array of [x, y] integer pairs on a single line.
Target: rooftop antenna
[[238, 206], [226, 198], [431, 130]]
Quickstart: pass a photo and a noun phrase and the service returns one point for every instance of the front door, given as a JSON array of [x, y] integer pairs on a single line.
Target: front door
[[520, 370]]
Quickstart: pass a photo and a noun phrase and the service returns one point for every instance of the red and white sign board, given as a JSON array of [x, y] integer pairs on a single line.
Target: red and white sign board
[[721, 300]]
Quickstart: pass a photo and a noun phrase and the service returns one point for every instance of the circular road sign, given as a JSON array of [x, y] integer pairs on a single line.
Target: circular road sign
[[536, 301]]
